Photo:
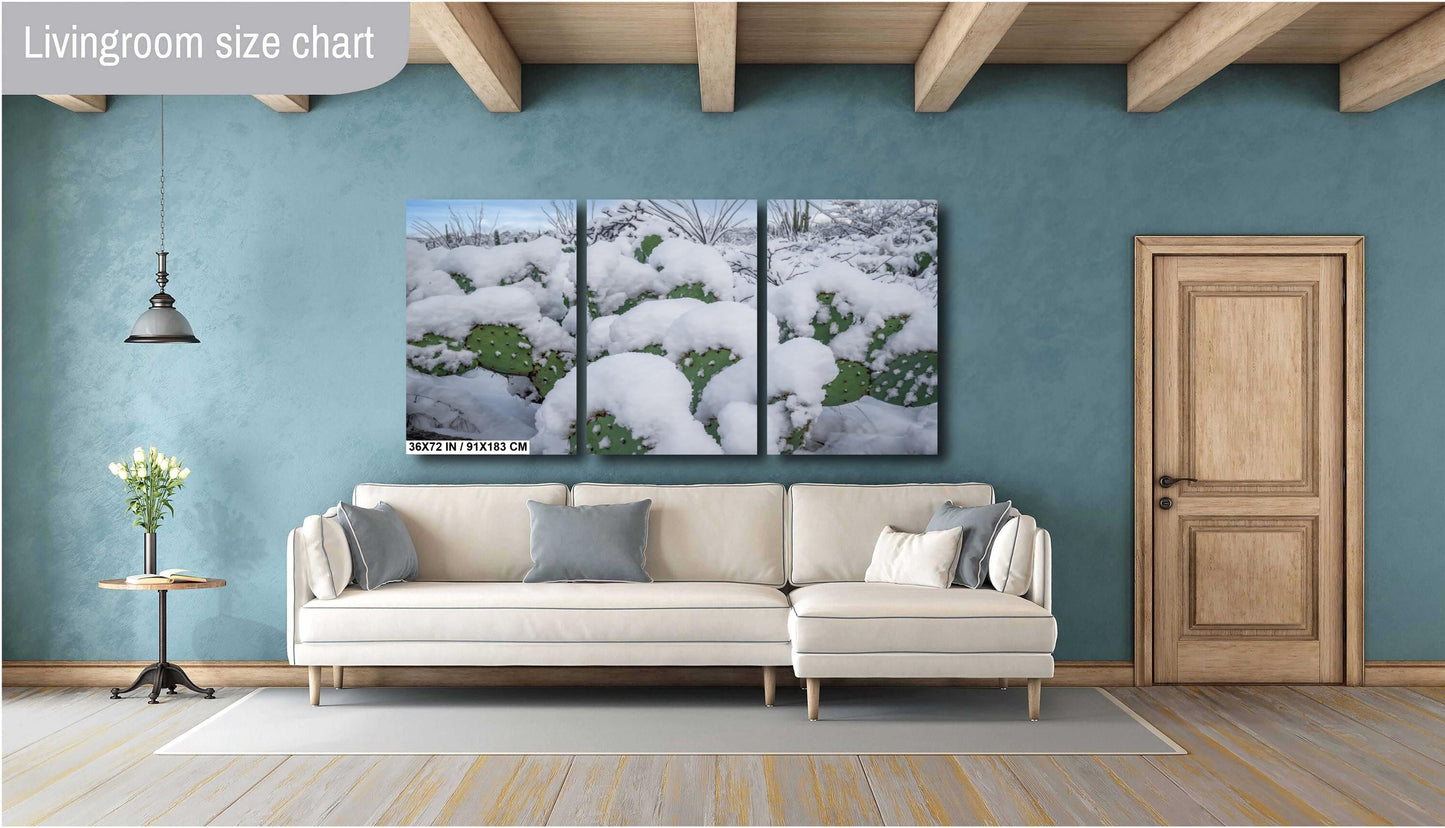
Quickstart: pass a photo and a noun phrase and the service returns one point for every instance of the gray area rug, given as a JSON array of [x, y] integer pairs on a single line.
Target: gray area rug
[[656, 720]]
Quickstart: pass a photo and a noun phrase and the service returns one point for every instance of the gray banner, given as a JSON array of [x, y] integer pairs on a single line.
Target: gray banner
[[200, 48]]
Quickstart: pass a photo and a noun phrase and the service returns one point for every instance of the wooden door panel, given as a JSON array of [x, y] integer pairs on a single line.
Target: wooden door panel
[[1248, 372], [1247, 359], [1250, 578]]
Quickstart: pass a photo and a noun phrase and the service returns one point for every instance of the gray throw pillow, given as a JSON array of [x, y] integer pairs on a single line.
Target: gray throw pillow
[[381, 548], [589, 543], [979, 525]]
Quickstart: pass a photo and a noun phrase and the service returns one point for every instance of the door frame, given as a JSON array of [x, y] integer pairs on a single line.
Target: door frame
[[1352, 248]]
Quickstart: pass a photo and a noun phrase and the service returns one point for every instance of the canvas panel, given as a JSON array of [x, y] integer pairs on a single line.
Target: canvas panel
[[853, 284], [491, 324], [673, 336]]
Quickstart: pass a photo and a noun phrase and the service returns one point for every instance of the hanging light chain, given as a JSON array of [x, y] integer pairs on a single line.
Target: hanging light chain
[[163, 172]]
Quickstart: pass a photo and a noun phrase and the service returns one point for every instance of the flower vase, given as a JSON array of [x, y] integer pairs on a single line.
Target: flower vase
[[150, 553]]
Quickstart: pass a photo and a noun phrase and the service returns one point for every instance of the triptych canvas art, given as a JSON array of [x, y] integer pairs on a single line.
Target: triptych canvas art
[[675, 343]]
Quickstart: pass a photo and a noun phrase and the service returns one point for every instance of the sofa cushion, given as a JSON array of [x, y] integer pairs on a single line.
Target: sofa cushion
[[465, 533], [589, 543], [890, 618], [708, 533], [920, 559], [1011, 557], [833, 527], [551, 612], [322, 545], [980, 525], [381, 549]]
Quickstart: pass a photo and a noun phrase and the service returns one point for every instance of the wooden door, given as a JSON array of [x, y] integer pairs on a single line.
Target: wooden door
[[1248, 398]]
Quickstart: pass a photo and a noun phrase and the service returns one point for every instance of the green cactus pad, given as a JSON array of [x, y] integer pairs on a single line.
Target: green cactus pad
[[649, 244], [890, 326], [922, 259], [532, 272], [836, 323], [795, 439], [447, 342], [645, 296], [549, 368], [701, 366], [691, 290], [797, 436], [712, 429], [501, 348], [850, 385], [915, 373], [606, 436], [464, 282]]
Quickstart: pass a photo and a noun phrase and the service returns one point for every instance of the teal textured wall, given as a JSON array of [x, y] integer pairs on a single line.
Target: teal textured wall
[[287, 257]]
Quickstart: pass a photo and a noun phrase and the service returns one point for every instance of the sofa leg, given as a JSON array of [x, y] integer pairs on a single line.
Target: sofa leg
[[1036, 688], [770, 685], [813, 688], [337, 676], [1003, 684], [313, 674]]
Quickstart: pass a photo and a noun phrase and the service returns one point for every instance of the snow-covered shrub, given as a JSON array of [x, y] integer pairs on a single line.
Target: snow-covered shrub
[[861, 278], [490, 318], [675, 282]]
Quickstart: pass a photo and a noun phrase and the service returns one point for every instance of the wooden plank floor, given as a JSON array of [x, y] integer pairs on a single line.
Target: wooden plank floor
[[1306, 755]]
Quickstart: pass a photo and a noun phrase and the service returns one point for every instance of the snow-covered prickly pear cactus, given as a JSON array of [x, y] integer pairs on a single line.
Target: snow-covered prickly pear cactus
[[799, 371], [701, 366], [501, 348], [908, 379], [606, 436], [548, 369], [639, 404], [851, 384], [828, 322], [439, 355]]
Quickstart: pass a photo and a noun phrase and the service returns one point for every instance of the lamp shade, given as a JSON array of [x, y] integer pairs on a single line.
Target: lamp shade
[[161, 323]]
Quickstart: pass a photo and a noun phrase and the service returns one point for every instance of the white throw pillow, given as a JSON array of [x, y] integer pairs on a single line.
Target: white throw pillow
[[1011, 557], [923, 559], [328, 557]]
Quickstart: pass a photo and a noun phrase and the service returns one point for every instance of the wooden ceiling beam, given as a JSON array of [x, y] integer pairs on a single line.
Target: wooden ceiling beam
[[286, 103], [78, 103], [961, 41], [475, 46], [1401, 64], [1207, 39], [717, 53]]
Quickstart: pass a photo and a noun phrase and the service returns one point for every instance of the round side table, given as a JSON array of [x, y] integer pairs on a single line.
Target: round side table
[[163, 673]]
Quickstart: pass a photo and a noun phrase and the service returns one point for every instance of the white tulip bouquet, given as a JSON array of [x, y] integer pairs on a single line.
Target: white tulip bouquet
[[151, 480]]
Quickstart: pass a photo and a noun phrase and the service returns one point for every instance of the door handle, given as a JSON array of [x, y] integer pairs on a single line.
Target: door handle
[[1166, 481]]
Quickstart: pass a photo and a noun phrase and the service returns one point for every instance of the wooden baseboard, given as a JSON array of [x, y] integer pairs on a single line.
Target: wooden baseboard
[[1405, 673], [281, 674]]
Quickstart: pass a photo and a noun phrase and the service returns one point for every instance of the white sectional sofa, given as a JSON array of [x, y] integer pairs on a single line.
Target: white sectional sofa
[[743, 575]]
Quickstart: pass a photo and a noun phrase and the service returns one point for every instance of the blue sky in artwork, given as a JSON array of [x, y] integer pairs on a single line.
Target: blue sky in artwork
[[503, 214]]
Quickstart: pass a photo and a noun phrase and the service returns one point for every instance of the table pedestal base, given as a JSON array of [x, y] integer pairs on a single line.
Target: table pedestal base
[[163, 674]]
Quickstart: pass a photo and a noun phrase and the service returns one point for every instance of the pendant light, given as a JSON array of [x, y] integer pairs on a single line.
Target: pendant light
[[162, 322]]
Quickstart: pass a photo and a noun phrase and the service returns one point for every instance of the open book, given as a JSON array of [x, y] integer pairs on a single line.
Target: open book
[[169, 576]]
